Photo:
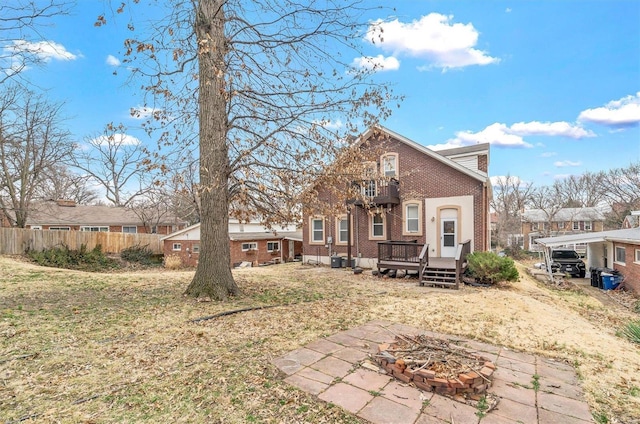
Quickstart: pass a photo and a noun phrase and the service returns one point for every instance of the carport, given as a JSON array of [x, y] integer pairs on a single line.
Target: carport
[[599, 245]]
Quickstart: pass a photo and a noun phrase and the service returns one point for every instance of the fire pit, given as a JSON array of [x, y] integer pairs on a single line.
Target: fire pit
[[436, 365]]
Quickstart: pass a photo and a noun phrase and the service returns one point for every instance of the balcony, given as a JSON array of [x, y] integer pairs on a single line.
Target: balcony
[[378, 193]]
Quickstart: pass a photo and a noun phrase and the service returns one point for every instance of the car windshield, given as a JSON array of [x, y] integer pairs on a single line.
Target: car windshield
[[565, 254]]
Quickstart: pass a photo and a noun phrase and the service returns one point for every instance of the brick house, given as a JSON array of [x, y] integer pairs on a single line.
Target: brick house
[[248, 242], [538, 223], [439, 198], [615, 249], [66, 215]]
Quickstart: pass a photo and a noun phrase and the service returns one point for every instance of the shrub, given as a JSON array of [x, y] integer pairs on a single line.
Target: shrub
[[172, 262], [81, 259], [487, 267], [140, 254], [632, 331]]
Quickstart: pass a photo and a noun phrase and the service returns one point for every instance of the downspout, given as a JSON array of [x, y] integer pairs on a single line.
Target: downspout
[[349, 237]]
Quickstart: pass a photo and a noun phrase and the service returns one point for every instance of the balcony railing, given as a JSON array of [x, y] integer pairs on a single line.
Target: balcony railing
[[378, 192]]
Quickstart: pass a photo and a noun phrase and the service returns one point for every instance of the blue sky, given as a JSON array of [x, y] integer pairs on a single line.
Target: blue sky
[[554, 86]]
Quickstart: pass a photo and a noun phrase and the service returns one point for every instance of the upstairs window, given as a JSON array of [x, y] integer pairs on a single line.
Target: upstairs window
[[390, 165], [587, 226], [576, 225], [534, 226], [130, 229], [176, 247]]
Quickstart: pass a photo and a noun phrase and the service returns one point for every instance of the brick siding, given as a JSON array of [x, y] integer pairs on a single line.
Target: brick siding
[[631, 269], [421, 177]]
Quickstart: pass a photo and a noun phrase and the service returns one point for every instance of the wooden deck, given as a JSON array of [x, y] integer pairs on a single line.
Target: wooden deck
[[445, 272]]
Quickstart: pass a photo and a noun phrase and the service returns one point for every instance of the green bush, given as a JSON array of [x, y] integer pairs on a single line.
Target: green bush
[[487, 267], [632, 331], [81, 259], [139, 254]]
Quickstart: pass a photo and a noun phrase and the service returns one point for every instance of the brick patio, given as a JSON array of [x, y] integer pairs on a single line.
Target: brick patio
[[329, 368]]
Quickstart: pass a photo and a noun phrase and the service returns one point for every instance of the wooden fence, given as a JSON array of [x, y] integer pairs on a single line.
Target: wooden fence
[[16, 241]]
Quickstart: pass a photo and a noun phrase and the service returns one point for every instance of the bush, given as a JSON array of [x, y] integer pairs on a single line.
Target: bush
[[81, 259], [139, 254], [172, 262], [487, 267], [632, 331]]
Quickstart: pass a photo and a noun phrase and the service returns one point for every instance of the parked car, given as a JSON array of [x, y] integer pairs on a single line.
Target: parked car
[[567, 261]]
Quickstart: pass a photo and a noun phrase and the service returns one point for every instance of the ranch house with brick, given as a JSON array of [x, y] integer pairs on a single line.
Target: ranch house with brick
[[250, 243], [415, 195]]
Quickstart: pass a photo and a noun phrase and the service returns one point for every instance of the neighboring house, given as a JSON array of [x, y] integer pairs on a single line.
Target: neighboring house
[[616, 249], [538, 223], [415, 194], [632, 220], [249, 242], [66, 215]]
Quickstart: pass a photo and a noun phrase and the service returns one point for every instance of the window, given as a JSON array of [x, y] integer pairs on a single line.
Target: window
[[587, 226], [95, 229], [576, 225], [317, 230], [370, 188], [377, 226], [545, 226], [273, 246], [620, 254], [177, 247], [130, 229], [195, 248], [154, 229], [342, 229], [561, 225], [249, 246], [412, 218], [60, 228], [36, 227], [390, 165], [638, 255], [534, 226]]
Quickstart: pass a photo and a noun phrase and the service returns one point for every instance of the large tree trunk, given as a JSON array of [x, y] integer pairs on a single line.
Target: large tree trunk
[[213, 277]]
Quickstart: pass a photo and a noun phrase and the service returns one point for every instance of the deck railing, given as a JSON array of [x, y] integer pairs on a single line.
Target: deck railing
[[464, 249], [399, 251]]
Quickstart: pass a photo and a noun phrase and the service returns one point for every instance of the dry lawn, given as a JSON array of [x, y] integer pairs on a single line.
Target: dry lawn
[[120, 347]]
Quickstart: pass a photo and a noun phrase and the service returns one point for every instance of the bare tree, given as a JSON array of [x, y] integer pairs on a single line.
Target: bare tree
[[116, 162], [32, 140], [270, 85], [510, 195], [580, 191], [20, 38], [59, 182], [621, 189]]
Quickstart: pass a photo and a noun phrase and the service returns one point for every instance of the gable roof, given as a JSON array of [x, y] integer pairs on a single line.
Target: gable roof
[[438, 155], [564, 215], [629, 235], [68, 213]]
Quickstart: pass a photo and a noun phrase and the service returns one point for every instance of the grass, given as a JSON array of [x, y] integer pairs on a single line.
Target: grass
[[121, 347]]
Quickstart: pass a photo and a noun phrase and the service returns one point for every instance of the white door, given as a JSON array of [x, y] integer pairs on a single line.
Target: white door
[[448, 237]]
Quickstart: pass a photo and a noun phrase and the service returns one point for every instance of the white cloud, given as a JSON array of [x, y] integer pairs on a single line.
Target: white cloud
[[330, 125], [511, 180], [433, 37], [508, 10], [548, 154], [377, 63], [561, 176], [566, 163], [625, 111], [44, 50], [112, 61], [561, 128], [118, 138], [497, 134], [143, 112]]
